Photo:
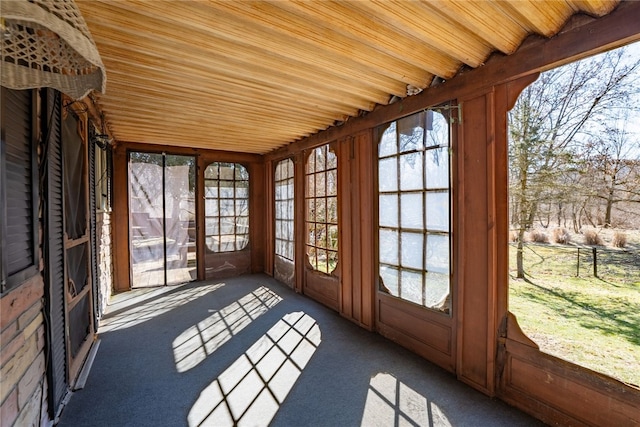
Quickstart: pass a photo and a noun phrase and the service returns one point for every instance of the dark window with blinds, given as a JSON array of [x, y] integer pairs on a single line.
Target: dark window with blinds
[[18, 188]]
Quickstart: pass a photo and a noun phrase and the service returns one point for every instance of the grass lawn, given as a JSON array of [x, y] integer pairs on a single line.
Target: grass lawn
[[593, 322]]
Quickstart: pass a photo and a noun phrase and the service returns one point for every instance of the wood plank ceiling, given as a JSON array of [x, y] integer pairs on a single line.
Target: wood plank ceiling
[[253, 76]]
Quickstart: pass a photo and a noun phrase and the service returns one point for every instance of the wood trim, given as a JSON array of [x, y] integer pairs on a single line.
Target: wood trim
[[121, 273], [208, 155], [269, 207]]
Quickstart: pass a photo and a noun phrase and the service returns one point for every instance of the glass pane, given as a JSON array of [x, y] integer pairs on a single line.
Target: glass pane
[[211, 207], [437, 290], [437, 168], [241, 173], [227, 171], [332, 160], [411, 211], [211, 226], [212, 244], [242, 241], [311, 186], [411, 171], [332, 183], [180, 219], [388, 174], [321, 210], [211, 172], [389, 246], [320, 153], [210, 189], [227, 207], [411, 132], [332, 210], [438, 129], [388, 144], [320, 190], [227, 189], [411, 286], [242, 191], [388, 211], [412, 244], [311, 162], [227, 225], [389, 280], [332, 241], [437, 254], [437, 206], [311, 210], [242, 207]]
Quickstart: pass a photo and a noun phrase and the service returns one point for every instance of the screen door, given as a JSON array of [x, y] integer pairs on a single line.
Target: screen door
[[162, 219]]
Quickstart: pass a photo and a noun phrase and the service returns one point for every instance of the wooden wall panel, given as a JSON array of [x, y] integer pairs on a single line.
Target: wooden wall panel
[[322, 288], [559, 392], [474, 311], [122, 281], [257, 218], [227, 264], [284, 271], [269, 209], [429, 334]]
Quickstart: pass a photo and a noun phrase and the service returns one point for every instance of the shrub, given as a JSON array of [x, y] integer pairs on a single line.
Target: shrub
[[619, 240], [539, 236], [561, 235], [591, 237]]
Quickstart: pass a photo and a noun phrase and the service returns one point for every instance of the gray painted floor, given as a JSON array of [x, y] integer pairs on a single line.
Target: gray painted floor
[[249, 351]]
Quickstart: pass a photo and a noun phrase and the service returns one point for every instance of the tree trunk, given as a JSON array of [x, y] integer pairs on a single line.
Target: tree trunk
[[520, 255]]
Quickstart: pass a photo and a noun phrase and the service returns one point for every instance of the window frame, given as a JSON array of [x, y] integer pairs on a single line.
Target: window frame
[[312, 248], [235, 200], [442, 305], [289, 200], [9, 282]]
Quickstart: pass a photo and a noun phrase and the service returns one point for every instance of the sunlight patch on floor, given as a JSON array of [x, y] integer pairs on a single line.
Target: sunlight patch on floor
[[251, 390], [151, 305], [392, 403], [193, 346]]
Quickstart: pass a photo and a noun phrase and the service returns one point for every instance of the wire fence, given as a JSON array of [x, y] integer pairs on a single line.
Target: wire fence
[[578, 261]]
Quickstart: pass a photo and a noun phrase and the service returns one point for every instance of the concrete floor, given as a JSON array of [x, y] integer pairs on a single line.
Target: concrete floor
[[249, 351]]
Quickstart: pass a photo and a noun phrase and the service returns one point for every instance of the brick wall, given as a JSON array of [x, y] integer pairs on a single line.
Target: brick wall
[[23, 385]]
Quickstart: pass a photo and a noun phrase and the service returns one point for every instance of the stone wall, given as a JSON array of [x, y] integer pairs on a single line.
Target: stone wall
[[105, 265], [23, 384]]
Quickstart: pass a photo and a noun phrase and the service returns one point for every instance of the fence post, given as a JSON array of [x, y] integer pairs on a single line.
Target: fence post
[[595, 262], [578, 266]]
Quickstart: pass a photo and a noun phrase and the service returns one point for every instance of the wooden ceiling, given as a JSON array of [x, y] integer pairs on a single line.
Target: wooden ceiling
[[254, 76]]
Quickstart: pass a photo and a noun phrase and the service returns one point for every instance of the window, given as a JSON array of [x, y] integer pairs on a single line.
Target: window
[[322, 209], [18, 188], [414, 209], [226, 188], [284, 209]]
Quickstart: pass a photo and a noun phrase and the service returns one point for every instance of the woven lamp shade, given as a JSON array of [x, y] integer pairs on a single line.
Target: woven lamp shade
[[46, 43]]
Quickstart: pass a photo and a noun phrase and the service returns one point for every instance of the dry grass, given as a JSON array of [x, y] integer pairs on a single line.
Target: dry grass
[[619, 240], [561, 236], [592, 238]]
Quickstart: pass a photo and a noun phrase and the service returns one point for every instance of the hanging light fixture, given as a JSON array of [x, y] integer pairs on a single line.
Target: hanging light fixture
[[46, 43]]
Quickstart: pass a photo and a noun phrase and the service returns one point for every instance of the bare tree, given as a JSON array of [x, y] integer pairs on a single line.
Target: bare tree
[[547, 125], [612, 163]]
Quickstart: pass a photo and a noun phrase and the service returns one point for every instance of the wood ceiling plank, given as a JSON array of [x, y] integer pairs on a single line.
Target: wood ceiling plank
[[138, 76], [210, 23], [291, 31], [543, 18], [484, 20], [210, 54], [594, 7], [163, 58], [426, 27], [379, 34]]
